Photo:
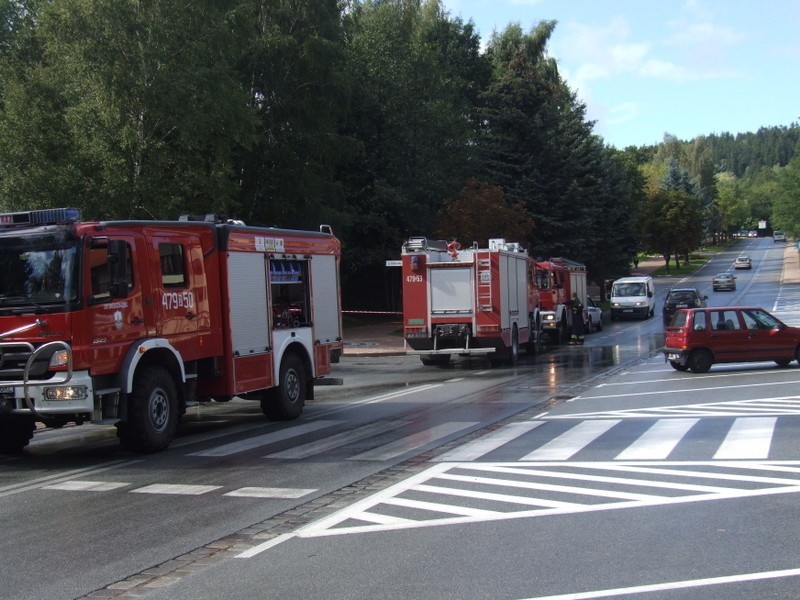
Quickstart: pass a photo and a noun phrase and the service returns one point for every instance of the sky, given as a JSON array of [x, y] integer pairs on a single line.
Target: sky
[[646, 68]]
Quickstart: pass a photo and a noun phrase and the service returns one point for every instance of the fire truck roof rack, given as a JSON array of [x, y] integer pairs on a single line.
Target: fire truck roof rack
[[211, 218], [570, 264], [420, 244]]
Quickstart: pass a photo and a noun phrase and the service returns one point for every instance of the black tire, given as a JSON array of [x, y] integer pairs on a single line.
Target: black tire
[[700, 361], [286, 401], [783, 363], [436, 360], [15, 433], [600, 324], [152, 412], [678, 366], [534, 345], [513, 351]]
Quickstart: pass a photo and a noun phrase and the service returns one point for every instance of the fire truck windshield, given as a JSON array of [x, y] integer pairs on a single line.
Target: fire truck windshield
[[38, 270]]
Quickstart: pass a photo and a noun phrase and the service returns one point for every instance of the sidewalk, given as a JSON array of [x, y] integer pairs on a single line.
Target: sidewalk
[[386, 339]]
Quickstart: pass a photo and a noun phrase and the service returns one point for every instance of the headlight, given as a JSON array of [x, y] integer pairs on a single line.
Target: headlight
[[67, 392], [549, 317], [60, 358]]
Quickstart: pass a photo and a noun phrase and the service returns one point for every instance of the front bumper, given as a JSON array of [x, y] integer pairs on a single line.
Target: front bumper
[[630, 311], [12, 397]]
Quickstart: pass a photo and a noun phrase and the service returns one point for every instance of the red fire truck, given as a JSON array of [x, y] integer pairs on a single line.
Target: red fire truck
[[468, 301], [557, 279], [128, 322]]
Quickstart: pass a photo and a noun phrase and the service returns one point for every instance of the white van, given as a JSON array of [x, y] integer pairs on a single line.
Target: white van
[[633, 297]]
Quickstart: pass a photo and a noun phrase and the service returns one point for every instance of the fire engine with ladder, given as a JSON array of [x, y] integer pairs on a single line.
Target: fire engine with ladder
[[130, 322], [473, 301]]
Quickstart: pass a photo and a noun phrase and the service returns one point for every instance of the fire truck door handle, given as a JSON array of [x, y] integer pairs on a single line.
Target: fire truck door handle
[[137, 321], [190, 315]]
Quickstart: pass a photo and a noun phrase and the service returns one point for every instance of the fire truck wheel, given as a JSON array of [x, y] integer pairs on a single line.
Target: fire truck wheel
[[535, 342], [435, 360], [286, 401], [15, 433], [152, 412]]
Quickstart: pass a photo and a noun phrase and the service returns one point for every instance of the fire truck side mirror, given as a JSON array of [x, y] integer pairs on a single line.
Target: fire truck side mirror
[[118, 264]]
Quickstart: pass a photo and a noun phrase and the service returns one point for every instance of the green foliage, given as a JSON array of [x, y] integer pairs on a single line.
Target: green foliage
[[480, 212], [785, 214], [366, 114]]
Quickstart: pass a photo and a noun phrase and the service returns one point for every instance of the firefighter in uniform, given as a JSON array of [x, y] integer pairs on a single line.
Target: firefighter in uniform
[[576, 308]]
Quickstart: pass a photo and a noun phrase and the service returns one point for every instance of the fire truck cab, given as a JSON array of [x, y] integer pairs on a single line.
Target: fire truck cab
[[129, 322]]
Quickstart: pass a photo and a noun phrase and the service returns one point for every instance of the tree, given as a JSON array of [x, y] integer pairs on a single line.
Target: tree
[[671, 220], [785, 215], [415, 74], [480, 212], [128, 109]]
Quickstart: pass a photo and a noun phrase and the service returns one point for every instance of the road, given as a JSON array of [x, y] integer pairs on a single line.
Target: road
[[594, 470]]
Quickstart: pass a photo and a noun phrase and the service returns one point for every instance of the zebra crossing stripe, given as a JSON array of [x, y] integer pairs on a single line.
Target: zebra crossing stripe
[[489, 442], [571, 442], [262, 440], [338, 440], [658, 441], [413, 442], [748, 438]]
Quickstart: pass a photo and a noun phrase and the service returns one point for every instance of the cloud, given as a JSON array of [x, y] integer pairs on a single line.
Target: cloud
[[622, 113]]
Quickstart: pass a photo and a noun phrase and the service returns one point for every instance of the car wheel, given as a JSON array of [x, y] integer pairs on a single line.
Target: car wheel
[[700, 361], [783, 362], [678, 366], [600, 324]]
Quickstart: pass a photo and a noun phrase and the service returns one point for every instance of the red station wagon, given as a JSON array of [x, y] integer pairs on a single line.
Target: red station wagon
[[700, 337]]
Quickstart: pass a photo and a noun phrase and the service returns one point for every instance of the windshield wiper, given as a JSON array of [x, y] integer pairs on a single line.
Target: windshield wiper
[[20, 300]]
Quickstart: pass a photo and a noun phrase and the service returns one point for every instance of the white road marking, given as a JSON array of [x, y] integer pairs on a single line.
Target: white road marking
[[687, 391], [40, 482], [412, 442], [366, 516], [338, 440], [674, 585], [693, 377], [255, 550], [486, 443], [176, 489], [658, 441], [781, 405], [264, 439], [263, 492], [572, 441], [80, 485], [748, 438]]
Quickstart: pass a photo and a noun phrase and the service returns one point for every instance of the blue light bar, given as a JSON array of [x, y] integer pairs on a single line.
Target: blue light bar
[[48, 216]]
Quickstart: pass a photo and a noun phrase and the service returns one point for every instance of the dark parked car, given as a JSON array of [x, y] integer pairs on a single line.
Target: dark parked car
[[700, 337], [723, 281], [682, 298]]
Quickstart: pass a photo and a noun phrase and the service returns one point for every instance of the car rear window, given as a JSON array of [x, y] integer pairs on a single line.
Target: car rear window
[[681, 297]]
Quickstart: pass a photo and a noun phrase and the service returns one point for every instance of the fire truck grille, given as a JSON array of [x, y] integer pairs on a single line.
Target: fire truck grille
[[14, 357]]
